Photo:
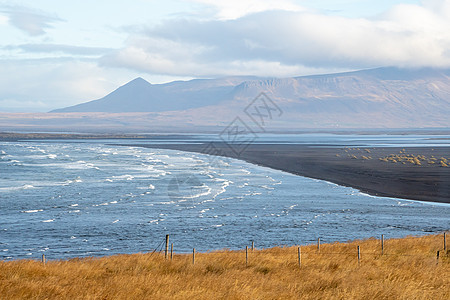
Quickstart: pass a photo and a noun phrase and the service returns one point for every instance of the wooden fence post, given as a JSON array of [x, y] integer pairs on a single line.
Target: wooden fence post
[[359, 256], [43, 259], [437, 257], [253, 245], [299, 257], [382, 244], [167, 246], [246, 256], [193, 256], [445, 242], [171, 251], [318, 245]]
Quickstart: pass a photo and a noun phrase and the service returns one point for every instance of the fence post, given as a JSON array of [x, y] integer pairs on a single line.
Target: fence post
[[253, 245], [246, 256], [171, 251], [318, 245], [43, 259], [359, 256], [167, 246], [299, 257], [382, 244], [445, 242], [193, 256]]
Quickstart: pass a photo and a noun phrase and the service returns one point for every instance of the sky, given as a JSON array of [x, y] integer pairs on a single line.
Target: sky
[[57, 53]]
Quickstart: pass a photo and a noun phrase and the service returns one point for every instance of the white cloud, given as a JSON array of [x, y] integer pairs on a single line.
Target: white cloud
[[282, 43], [42, 85], [31, 21], [3, 20], [59, 48], [233, 9]]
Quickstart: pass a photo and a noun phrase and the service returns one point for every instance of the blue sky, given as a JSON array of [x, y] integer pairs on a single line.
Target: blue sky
[[54, 54]]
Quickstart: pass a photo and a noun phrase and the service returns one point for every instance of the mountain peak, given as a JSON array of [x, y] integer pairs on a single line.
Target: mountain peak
[[138, 80]]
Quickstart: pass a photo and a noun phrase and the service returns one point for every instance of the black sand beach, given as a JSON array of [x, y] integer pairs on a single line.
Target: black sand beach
[[410, 173]]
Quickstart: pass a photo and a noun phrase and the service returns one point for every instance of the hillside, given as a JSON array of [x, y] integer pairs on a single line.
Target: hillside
[[139, 95]]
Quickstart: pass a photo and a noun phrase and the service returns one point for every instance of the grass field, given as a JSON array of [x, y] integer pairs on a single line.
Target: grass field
[[409, 269]]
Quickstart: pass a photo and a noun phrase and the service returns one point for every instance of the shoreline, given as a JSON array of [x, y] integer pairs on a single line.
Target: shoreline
[[348, 167], [376, 171]]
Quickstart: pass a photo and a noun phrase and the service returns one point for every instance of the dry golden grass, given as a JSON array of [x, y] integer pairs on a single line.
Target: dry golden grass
[[408, 270]]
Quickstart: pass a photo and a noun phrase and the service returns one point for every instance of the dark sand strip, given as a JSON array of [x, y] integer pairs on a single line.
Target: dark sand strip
[[347, 166]]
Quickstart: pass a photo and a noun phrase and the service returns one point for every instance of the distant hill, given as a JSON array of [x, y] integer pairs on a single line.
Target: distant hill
[[375, 98], [139, 95]]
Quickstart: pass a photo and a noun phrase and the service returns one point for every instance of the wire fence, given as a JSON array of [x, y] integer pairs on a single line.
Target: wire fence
[[321, 250], [164, 248]]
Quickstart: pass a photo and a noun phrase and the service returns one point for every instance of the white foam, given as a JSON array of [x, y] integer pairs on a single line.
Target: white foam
[[267, 187], [16, 188], [149, 187], [32, 211], [115, 221], [48, 221], [67, 182], [122, 177], [168, 202]]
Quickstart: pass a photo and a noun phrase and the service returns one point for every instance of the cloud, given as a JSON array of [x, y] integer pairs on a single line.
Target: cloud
[[59, 48], [46, 84], [31, 21], [3, 20], [233, 9], [284, 42]]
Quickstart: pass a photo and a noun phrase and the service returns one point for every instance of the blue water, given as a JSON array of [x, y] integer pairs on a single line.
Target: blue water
[[74, 198]]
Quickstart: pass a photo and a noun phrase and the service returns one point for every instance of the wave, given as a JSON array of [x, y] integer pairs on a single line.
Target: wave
[[67, 182], [32, 211], [16, 188], [122, 177]]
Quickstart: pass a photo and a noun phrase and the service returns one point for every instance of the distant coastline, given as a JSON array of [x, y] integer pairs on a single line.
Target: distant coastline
[[344, 166]]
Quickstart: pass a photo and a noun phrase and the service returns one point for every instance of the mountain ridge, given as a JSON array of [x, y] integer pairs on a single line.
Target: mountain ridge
[[383, 97]]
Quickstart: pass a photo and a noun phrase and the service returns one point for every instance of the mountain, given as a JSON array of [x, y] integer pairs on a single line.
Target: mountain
[[375, 98], [139, 95]]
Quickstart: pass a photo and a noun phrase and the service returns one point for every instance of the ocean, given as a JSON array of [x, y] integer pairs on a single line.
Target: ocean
[[79, 198]]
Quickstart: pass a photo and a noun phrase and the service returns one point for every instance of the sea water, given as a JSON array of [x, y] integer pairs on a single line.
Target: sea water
[[76, 199]]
